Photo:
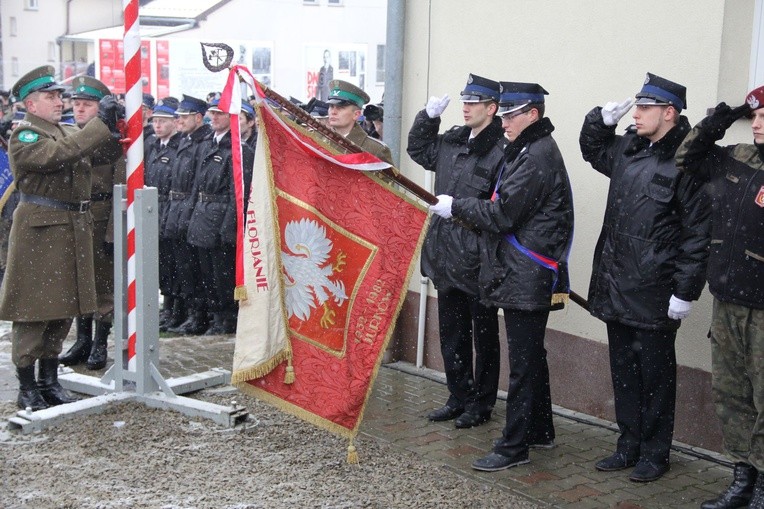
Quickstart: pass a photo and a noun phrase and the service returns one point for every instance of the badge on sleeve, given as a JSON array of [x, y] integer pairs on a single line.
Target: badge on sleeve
[[760, 197], [27, 136]]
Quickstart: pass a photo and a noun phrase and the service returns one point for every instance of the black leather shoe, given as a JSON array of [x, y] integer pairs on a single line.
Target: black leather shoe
[[445, 413], [470, 420], [647, 471], [739, 493], [494, 462], [614, 462]]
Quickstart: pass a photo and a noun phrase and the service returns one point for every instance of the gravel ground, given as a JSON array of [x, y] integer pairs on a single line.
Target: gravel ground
[[131, 456]]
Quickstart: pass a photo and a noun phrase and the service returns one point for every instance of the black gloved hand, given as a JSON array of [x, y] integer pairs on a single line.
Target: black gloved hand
[[110, 111], [722, 118]]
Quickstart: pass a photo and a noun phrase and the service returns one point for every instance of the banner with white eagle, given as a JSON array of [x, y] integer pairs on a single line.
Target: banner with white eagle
[[328, 253]]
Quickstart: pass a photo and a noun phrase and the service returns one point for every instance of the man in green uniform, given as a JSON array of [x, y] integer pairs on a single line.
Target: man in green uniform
[[50, 279], [86, 94], [346, 103]]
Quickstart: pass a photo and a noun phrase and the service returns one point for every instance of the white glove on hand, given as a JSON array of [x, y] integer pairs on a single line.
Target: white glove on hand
[[678, 309], [436, 106], [613, 111], [443, 207]]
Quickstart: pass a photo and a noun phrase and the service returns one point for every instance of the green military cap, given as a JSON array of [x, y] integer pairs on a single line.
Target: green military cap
[[36, 80], [85, 87], [343, 92]]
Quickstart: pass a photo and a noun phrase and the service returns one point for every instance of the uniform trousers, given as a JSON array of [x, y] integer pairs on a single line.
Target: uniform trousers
[[643, 369], [529, 399], [463, 321], [219, 277], [38, 340], [737, 361], [166, 266], [188, 275]]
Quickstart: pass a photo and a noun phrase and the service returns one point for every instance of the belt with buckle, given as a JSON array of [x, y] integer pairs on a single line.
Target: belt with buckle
[[53, 203], [219, 198], [177, 195]]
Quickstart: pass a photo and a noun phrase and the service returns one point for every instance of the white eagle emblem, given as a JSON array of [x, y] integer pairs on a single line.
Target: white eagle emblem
[[307, 273], [753, 103]]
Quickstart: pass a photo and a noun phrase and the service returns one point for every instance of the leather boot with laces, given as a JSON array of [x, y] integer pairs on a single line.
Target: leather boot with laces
[[738, 494]]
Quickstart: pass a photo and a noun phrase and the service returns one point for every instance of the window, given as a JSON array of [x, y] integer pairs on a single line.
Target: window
[[14, 66], [337, 3], [14, 26], [31, 5], [310, 2], [380, 63]]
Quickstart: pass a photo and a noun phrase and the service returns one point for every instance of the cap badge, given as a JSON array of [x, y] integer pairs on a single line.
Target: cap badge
[[752, 102], [469, 80]]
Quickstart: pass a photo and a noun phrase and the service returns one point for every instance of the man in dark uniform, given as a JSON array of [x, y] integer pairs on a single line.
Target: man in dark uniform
[[160, 157], [212, 228], [649, 265], [187, 284], [50, 277], [466, 160], [345, 106], [87, 92]]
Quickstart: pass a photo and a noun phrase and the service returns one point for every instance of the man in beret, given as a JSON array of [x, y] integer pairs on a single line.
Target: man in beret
[[86, 95], [346, 103], [50, 278], [735, 181], [466, 160], [649, 265], [187, 283]]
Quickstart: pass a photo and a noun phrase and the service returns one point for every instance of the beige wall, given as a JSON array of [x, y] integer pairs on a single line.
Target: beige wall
[[584, 53]]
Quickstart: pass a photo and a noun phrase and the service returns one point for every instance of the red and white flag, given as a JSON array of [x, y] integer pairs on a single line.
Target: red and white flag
[[328, 253]]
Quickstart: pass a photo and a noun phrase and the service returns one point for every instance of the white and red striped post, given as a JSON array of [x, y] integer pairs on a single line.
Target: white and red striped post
[[134, 114]]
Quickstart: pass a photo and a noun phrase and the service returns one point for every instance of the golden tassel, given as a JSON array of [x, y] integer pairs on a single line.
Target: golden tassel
[[289, 374], [240, 293], [560, 298], [352, 454]]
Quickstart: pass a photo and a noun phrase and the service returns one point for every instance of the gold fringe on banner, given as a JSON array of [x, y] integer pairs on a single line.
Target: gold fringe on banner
[[560, 298], [289, 374], [240, 293], [352, 453], [262, 369]]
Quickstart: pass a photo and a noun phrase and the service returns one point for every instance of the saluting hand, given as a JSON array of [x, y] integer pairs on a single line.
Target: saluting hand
[[436, 106], [613, 111]]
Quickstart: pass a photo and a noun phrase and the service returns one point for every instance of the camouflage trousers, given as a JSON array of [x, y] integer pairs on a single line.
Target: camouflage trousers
[[737, 355]]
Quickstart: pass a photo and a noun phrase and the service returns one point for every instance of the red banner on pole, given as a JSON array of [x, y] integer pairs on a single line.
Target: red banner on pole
[[329, 253]]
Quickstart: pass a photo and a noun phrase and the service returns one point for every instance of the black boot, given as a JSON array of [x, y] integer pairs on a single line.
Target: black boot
[[757, 498], [29, 394], [48, 384], [178, 315], [80, 350], [196, 324], [97, 359], [739, 492], [217, 326], [164, 315]]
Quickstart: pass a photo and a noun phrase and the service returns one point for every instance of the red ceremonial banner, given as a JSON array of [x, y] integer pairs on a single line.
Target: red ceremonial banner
[[347, 244]]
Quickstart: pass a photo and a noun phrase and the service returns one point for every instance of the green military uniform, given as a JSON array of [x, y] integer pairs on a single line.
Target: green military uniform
[[50, 260], [343, 92]]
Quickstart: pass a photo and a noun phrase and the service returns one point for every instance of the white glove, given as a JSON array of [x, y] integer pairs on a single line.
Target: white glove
[[436, 106], [443, 207], [613, 111], [678, 309]]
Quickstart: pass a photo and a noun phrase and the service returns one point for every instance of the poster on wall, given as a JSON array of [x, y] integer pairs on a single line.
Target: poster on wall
[[326, 62]]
